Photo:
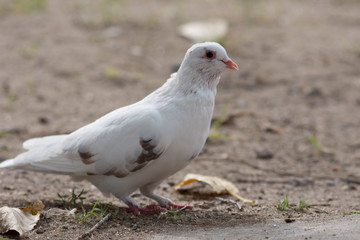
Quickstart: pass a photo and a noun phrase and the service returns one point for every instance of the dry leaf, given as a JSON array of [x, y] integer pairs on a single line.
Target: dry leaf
[[218, 184], [20, 220], [16, 219], [33, 209]]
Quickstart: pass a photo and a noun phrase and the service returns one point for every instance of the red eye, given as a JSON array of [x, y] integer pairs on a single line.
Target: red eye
[[210, 55]]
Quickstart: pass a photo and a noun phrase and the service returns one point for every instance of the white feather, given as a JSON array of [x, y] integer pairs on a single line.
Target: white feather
[[42, 141]]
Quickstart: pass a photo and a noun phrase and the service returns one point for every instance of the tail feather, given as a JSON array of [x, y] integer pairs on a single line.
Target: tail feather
[[40, 160], [38, 142], [46, 155], [7, 163], [27, 158]]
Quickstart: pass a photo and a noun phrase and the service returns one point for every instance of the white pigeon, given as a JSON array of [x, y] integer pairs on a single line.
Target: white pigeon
[[140, 145]]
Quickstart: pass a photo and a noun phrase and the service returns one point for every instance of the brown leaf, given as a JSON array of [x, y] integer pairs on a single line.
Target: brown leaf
[[218, 184], [34, 208]]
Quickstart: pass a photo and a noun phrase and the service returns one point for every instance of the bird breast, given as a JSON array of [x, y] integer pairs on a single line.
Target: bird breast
[[190, 124]]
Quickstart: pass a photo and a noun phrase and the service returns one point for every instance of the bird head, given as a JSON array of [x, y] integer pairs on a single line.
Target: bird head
[[208, 58]]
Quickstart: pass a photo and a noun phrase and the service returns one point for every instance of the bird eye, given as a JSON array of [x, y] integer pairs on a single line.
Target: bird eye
[[210, 54]]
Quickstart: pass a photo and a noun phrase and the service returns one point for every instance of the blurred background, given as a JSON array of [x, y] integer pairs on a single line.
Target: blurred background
[[287, 123]]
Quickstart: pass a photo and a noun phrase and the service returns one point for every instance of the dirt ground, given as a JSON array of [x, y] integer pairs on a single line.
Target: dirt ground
[[292, 111]]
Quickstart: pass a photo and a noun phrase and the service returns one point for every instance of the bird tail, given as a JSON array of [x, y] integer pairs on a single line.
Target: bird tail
[[36, 154], [7, 163], [42, 141]]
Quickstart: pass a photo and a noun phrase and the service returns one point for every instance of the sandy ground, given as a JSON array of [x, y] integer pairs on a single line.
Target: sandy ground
[[332, 228], [293, 110]]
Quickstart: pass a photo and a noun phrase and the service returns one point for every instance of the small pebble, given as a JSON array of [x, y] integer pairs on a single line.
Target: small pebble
[[65, 226], [349, 187], [136, 50], [289, 220], [314, 92], [40, 230], [171, 184], [264, 154], [112, 32], [330, 183], [43, 120], [134, 227], [300, 182]]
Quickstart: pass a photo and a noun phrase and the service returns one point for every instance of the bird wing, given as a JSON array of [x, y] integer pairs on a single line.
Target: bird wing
[[118, 144]]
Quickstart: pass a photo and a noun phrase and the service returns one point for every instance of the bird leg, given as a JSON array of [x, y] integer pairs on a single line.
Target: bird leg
[[164, 202]]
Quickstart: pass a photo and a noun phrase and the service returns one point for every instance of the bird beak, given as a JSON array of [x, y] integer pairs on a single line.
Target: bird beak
[[230, 64]]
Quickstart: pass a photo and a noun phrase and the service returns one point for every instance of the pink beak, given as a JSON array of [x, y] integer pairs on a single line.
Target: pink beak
[[230, 64]]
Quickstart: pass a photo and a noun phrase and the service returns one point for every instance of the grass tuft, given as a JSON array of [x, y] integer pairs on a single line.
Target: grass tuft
[[22, 6], [350, 212], [302, 204], [28, 51], [111, 72], [27, 6], [11, 98], [312, 140], [284, 204], [86, 215], [72, 200], [76, 200]]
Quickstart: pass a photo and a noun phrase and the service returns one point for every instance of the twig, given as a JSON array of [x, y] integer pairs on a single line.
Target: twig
[[230, 201], [319, 210], [96, 226], [178, 210], [172, 211], [313, 205]]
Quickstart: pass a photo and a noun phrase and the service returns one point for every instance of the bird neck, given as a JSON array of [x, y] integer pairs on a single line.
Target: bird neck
[[190, 80], [187, 83]]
